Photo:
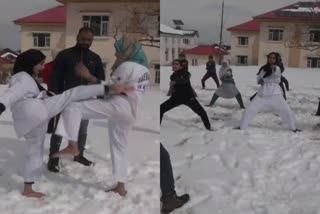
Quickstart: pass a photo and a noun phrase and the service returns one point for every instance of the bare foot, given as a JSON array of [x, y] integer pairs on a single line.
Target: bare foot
[[33, 194], [70, 150], [120, 189]]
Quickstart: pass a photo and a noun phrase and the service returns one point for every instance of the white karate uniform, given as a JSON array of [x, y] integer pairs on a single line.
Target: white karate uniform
[[31, 112], [269, 97], [119, 110]]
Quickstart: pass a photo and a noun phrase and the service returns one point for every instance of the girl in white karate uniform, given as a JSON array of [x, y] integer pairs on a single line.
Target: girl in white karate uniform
[[131, 67], [269, 96], [32, 107]]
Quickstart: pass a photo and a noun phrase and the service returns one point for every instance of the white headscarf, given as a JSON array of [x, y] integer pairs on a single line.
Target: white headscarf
[[225, 70]]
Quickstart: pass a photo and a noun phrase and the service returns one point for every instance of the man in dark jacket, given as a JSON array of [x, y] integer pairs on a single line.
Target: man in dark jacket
[[211, 72], [185, 63], [63, 77]]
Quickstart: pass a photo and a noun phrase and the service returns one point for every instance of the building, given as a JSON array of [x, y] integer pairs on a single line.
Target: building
[[9, 55], [199, 54], [57, 28], [175, 40], [293, 31]]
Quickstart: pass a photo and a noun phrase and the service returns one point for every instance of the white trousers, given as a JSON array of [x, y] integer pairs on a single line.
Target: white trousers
[[276, 103], [35, 138], [118, 111]]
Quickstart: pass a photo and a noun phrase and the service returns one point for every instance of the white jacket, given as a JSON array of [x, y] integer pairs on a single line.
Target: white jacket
[[270, 84], [134, 74], [25, 100]]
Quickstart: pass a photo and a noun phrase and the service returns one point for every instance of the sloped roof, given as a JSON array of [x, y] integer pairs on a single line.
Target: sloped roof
[[247, 26], [206, 50], [52, 15], [169, 30]]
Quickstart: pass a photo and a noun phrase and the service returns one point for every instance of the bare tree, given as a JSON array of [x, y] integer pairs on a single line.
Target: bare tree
[[143, 23], [305, 37]]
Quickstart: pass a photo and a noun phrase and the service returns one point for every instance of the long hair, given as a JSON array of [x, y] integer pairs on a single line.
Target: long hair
[[267, 67], [27, 60]]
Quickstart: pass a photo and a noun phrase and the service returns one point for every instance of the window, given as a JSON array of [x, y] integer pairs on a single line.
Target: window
[[98, 24], [185, 41], [242, 60], [166, 40], [275, 35], [157, 73], [194, 62], [167, 54], [41, 39], [173, 40], [243, 41], [313, 62], [314, 35]]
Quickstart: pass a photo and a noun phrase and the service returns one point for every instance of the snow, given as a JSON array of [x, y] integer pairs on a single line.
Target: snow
[[79, 189], [266, 169], [304, 9]]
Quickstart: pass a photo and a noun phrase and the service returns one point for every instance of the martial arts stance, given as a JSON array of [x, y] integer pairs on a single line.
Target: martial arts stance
[[32, 108], [283, 79], [131, 67], [211, 72], [228, 88], [269, 96], [182, 93]]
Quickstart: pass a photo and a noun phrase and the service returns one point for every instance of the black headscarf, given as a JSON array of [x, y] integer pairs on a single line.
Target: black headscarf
[[26, 61]]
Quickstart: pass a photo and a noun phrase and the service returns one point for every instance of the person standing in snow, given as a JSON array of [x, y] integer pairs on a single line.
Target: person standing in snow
[[211, 72], [228, 87], [63, 77], [283, 79], [131, 67], [183, 94], [269, 96], [32, 107]]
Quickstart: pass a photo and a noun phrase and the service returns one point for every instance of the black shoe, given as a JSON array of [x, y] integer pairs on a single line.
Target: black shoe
[[81, 159], [172, 202], [297, 130], [53, 165], [236, 128], [2, 108]]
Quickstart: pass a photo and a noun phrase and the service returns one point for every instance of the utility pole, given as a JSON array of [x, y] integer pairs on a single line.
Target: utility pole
[[221, 29]]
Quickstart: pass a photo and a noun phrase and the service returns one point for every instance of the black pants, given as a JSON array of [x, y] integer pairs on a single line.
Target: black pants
[[55, 140], [166, 173], [207, 76], [191, 103]]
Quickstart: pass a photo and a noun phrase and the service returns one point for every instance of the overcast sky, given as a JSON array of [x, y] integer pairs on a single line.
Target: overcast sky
[[15, 9], [202, 15], [205, 15]]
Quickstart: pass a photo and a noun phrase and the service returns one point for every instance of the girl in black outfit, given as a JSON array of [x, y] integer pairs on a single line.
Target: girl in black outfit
[[182, 93]]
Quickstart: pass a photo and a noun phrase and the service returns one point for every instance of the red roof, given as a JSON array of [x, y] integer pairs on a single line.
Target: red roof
[[4, 61], [53, 15], [206, 50], [247, 26], [272, 14], [253, 25]]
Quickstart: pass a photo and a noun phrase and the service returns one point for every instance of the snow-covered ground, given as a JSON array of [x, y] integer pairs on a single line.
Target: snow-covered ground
[[79, 189], [266, 169]]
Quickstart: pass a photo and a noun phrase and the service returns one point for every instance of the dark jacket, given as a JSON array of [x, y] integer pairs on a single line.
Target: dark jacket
[[182, 88], [211, 67], [63, 76]]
